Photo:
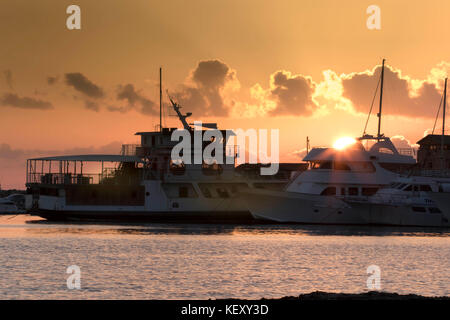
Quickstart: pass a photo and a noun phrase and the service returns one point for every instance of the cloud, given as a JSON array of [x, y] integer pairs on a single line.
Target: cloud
[[293, 94], [13, 100], [8, 78], [207, 91], [52, 80], [135, 100], [91, 105], [287, 95], [300, 153], [402, 95], [82, 84], [400, 142]]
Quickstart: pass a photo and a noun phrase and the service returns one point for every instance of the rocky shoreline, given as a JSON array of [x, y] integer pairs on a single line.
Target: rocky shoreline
[[371, 295]]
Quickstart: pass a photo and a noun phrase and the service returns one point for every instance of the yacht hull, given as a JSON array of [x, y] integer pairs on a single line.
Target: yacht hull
[[288, 207], [145, 216], [398, 215]]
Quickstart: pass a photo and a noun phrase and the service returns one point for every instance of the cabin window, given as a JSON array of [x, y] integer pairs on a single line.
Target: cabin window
[[419, 209], [352, 191], [364, 166], [342, 191], [341, 166], [153, 140], [330, 191], [425, 187], [408, 188], [326, 165], [369, 191]]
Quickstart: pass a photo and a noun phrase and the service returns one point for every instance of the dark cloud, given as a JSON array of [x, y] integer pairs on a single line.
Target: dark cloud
[[135, 100], [13, 100], [205, 96], [293, 94], [398, 98], [8, 78], [82, 84], [52, 80], [91, 105]]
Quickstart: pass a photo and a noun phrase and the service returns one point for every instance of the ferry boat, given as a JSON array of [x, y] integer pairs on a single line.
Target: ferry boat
[[144, 183]]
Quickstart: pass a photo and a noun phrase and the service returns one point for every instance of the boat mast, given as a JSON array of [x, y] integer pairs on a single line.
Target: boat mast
[[381, 101], [160, 99], [443, 124]]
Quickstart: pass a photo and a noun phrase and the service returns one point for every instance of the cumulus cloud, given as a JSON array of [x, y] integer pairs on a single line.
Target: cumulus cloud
[[207, 89], [13, 100], [402, 95], [82, 84], [135, 100], [293, 94]]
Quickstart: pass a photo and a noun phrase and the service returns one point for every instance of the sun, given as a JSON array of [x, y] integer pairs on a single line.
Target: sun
[[343, 143]]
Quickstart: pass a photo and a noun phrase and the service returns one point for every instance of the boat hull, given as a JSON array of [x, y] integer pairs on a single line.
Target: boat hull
[[287, 207], [143, 216], [399, 215]]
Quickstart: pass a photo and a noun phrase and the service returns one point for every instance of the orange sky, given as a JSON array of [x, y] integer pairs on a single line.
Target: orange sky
[[263, 67]]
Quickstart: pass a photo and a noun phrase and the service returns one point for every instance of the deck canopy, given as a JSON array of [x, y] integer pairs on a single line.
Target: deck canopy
[[92, 157]]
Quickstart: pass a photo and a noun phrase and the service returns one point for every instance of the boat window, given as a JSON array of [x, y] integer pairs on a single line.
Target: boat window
[[425, 187], [325, 165], [408, 188], [365, 166], [401, 186], [352, 191], [434, 210], [342, 191], [369, 191], [416, 188], [330, 191], [341, 166], [418, 209], [315, 165]]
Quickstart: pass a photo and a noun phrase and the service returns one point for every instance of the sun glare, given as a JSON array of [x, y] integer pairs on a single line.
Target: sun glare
[[343, 143]]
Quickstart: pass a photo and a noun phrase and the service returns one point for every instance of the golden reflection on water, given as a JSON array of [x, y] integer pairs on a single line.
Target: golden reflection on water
[[23, 226]]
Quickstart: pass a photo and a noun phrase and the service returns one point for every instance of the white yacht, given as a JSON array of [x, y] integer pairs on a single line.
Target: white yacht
[[409, 201], [317, 195], [422, 199]]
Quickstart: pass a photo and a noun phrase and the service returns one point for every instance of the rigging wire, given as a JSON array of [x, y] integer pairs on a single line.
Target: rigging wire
[[437, 114], [371, 106]]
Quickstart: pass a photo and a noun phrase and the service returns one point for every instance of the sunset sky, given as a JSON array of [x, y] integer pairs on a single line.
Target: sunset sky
[[305, 67]]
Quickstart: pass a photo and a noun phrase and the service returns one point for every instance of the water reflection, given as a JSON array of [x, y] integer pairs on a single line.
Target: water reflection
[[34, 225]]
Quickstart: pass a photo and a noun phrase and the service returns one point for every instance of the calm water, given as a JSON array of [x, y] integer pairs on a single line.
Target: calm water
[[158, 261]]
